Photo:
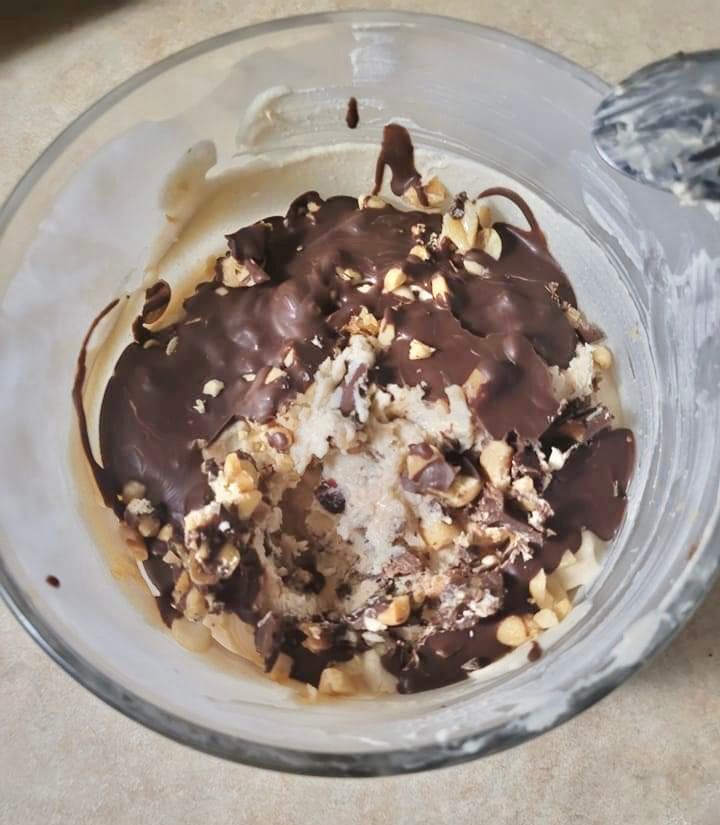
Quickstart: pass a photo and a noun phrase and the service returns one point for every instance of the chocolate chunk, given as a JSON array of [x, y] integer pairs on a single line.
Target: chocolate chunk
[[53, 581], [330, 497]]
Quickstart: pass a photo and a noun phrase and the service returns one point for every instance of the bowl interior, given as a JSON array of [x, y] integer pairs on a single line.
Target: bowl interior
[[78, 231]]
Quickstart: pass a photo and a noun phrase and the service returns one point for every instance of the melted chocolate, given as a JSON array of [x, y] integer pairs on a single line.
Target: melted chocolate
[[302, 272], [352, 116], [398, 153]]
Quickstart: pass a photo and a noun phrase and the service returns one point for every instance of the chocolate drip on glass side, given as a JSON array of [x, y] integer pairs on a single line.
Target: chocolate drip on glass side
[[398, 153], [305, 269], [352, 116]]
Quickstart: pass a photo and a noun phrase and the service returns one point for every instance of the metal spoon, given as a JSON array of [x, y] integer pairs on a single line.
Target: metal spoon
[[661, 125]]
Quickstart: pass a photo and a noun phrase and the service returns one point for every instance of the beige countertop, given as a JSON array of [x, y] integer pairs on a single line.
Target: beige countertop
[[649, 754]]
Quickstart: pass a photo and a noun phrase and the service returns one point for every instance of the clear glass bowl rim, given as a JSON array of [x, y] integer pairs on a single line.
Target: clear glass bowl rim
[[233, 748]]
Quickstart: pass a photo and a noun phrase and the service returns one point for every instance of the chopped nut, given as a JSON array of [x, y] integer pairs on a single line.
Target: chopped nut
[[404, 292], [227, 560], [348, 274], [386, 333], [462, 491], [562, 608], [241, 472], [199, 406], [365, 288], [195, 606], [538, 589], [148, 526], [221, 291], [274, 375], [364, 323], [371, 202], [439, 286], [282, 668], [191, 635], [172, 559], [512, 631], [249, 377], [166, 532], [419, 351], [473, 384], [397, 612], [313, 207], [182, 586], [475, 268], [394, 278], [435, 192], [495, 459], [602, 357], [172, 345], [247, 503], [439, 534], [374, 625], [484, 215], [491, 243], [453, 229], [421, 252], [289, 358], [213, 388], [524, 486], [131, 490], [333, 682], [545, 619], [234, 274], [489, 561]]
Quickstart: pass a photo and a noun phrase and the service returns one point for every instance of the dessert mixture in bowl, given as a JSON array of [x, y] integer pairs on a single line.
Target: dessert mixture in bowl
[[368, 450], [408, 500]]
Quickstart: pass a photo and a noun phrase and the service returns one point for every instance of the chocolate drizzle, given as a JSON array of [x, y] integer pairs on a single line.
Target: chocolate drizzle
[[303, 272], [398, 153], [352, 116]]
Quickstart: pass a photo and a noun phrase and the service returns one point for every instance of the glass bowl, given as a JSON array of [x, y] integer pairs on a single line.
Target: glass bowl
[[78, 229]]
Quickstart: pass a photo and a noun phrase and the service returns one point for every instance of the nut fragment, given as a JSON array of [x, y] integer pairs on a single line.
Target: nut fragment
[[474, 384], [274, 375], [371, 202], [439, 286], [562, 608], [538, 589], [419, 351], [462, 491], [148, 526], [439, 534], [195, 606], [247, 503], [234, 274], [131, 490], [348, 274], [241, 472], [435, 193], [364, 323], [386, 333], [333, 682], [394, 278], [495, 459], [512, 631], [397, 612], [227, 560], [491, 243], [420, 251], [199, 406], [213, 388], [484, 215], [602, 357], [545, 619], [475, 268]]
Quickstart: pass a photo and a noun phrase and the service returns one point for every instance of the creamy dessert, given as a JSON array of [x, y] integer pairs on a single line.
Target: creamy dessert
[[369, 453]]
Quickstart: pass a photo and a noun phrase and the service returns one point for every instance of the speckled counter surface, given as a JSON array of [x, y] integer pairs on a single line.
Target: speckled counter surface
[[649, 754]]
